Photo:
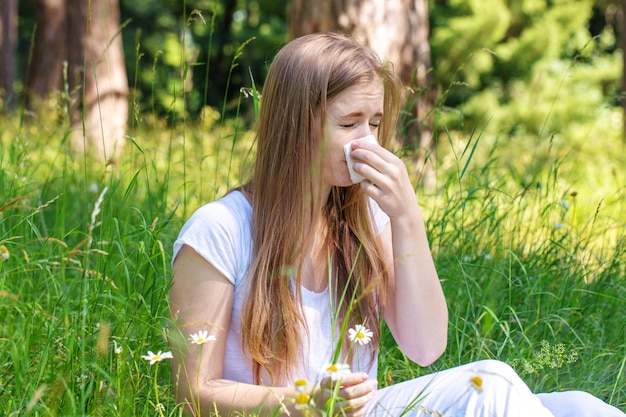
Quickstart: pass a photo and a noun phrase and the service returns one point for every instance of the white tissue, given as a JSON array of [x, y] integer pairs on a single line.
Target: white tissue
[[347, 149]]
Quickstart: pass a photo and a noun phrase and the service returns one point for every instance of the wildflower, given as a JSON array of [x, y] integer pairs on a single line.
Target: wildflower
[[303, 401], [477, 383], [153, 358], [572, 357], [116, 349], [360, 334], [301, 385], [82, 380], [201, 337], [4, 253], [558, 225], [159, 407], [336, 371]]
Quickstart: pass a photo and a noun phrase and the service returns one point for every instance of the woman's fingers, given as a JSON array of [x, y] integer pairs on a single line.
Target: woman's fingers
[[352, 396], [387, 180], [378, 165]]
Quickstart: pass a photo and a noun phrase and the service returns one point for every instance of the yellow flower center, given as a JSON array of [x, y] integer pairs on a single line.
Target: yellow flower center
[[332, 368], [302, 398], [300, 383], [477, 381], [360, 335]]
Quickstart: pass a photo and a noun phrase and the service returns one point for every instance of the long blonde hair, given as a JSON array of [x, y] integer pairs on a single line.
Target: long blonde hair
[[304, 76]]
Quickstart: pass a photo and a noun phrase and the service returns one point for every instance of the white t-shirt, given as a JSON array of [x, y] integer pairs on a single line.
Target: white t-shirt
[[221, 233]]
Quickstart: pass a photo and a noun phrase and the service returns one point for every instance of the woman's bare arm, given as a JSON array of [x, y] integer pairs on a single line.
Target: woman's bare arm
[[201, 298]]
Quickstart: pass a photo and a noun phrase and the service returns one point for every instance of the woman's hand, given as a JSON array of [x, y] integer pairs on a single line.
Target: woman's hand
[[387, 180], [348, 396]]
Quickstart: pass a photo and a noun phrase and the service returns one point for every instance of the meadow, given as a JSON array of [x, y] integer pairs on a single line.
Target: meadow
[[529, 239]]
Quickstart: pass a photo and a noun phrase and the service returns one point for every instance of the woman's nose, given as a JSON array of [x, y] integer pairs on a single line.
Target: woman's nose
[[365, 131]]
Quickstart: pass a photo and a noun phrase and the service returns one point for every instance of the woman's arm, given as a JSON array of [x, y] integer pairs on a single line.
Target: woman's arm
[[416, 311], [201, 298]]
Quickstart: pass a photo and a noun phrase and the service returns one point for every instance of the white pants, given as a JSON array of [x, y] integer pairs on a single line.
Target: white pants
[[486, 388]]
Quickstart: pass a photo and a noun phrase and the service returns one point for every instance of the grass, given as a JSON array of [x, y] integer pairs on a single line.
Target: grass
[[533, 267]]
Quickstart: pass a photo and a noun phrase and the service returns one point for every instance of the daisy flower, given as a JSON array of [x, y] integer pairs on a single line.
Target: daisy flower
[[360, 334], [301, 385], [303, 401], [201, 337], [477, 383], [4, 253], [117, 349], [336, 371], [158, 357]]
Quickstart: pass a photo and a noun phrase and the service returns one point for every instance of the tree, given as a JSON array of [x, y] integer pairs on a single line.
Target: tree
[[96, 67], [45, 71], [399, 33], [8, 39], [525, 69], [86, 35]]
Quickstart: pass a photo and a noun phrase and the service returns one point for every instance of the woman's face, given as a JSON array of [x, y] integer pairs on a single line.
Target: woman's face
[[353, 114]]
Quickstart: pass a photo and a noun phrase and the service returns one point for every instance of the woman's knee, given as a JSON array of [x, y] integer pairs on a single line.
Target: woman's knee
[[495, 367]]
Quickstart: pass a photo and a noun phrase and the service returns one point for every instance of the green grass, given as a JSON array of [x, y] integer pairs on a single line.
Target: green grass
[[532, 264]]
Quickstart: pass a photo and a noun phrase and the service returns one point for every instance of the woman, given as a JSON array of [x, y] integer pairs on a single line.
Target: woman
[[277, 270]]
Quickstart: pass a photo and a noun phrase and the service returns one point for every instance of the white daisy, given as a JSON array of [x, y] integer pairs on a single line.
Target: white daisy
[[360, 334], [4, 253], [336, 371], [158, 357], [201, 337]]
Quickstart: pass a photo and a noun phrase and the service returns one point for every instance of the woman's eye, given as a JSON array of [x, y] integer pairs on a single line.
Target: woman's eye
[[375, 125], [347, 125]]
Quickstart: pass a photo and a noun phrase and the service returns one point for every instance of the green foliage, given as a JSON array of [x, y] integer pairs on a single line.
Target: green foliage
[[551, 357], [185, 51], [532, 68], [89, 249]]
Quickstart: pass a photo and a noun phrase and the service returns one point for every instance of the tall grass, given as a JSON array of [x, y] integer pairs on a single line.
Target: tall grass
[[533, 271]]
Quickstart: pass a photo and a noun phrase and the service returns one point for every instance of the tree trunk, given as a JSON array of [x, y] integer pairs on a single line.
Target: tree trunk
[[45, 71], [96, 67], [8, 39], [85, 34], [398, 31]]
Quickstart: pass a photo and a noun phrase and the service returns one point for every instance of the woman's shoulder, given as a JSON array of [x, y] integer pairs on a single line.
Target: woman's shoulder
[[232, 206], [228, 217], [220, 231]]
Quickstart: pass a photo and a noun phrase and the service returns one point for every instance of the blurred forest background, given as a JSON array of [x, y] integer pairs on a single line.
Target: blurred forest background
[[519, 68]]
